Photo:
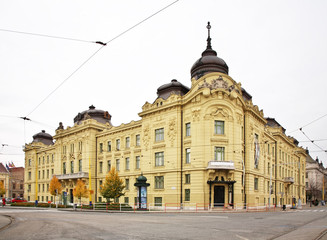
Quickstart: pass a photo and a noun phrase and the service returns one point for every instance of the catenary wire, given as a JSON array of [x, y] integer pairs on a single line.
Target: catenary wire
[[45, 35], [299, 129], [103, 45]]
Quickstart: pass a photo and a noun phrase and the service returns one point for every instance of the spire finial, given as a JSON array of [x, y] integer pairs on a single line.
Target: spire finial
[[209, 39]]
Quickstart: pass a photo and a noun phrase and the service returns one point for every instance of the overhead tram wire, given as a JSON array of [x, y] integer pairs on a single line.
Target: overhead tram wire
[[49, 36], [103, 45], [300, 129], [312, 141]]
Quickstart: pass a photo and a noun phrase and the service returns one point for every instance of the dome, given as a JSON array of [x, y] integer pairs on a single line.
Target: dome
[[174, 86], [209, 62], [97, 114], [43, 137]]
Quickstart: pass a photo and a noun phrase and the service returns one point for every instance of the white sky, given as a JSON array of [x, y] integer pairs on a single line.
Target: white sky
[[276, 49]]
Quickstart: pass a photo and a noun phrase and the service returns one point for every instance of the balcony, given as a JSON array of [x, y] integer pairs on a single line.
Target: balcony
[[228, 165], [289, 180], [73, 176]]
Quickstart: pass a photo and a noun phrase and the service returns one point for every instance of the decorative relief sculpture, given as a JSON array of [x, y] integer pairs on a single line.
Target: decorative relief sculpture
[[196, 115], [215, 84], [172, 131], [146, 137]]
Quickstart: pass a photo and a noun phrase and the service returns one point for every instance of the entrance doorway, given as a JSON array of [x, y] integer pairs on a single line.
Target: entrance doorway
[[71, 196], [219, 196]]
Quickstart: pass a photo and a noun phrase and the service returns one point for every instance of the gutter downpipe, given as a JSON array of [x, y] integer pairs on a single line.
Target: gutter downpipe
[[96, 170], [244, 177], [275, 173], [181, 200]]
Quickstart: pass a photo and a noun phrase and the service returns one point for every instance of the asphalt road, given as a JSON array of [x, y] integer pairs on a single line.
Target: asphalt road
[[53, 224]]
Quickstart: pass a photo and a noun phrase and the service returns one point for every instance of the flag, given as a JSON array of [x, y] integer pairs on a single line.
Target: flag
[[7, 166], [12, 164]]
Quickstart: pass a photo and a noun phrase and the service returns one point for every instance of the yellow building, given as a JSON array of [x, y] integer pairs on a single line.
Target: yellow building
[[207, 145]]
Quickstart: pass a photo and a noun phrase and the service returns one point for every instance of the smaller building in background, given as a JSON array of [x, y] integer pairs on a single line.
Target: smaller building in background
[[4, 178], [13, 180], [16, 182], [316, 175]]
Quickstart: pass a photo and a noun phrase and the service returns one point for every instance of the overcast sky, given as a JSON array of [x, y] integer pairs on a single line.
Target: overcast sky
[[276, 49]]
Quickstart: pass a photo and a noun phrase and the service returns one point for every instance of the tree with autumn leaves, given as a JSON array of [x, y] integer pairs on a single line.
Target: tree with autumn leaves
[[55, 187], [113, 186], [80, 190], [2, 188]]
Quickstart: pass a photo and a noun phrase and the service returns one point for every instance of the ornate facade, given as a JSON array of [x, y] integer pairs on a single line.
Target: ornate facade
[[206, 145]]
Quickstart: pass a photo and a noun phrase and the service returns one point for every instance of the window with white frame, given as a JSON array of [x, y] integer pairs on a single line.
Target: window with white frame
[[219, 154], [188, 129], [138, 140], [127, 163], [159, 158], [117, 144], [128, 142], [159, 134], [137, 162], [219, 127], [187, 155], [159, 182]]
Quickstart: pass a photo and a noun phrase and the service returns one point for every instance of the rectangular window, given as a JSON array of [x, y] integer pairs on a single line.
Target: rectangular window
[[159, 182], [108, 165], [48, 173], [159, 134], [39, 176], [100, 167], [118, 144], [126, 184], [100, 184], [101, 147], [187, 178], [43, 160], [42, 187], [158, 201], [109, 146], [126, 200], [159, 156], [187, 155], [137, 162], [138, 140], [48, 159], [256, 183], [127, 163], [187, 194], [29, 162], [80, 146], [43, 174], [188, 129], [128, 142], [64, 168], [47, 187], [72, 148], [52, 171], [29, 175], [219, 127], [39, 161], [80, 165], [117, 164], [72, 166], [219, 154], [273, 151], [52, 158], [29, 188]]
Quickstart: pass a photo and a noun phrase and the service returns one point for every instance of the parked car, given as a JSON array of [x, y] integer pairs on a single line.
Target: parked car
[[19, 199], [8, 200]]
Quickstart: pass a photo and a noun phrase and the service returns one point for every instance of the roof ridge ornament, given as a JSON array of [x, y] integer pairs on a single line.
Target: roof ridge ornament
[[209, 38]]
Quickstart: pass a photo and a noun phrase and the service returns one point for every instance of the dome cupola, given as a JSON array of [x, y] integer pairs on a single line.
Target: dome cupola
[[174, 87], [93, 113], [209, 62], [43, 137]]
